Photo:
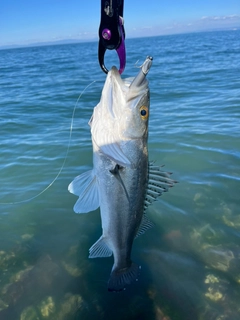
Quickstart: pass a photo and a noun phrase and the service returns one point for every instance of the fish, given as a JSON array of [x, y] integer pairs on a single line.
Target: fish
[[123, 183]]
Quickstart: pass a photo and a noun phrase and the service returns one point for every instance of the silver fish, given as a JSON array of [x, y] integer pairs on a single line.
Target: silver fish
[[122, 182]]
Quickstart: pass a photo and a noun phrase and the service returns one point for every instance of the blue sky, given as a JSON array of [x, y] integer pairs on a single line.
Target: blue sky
[[27, 21]]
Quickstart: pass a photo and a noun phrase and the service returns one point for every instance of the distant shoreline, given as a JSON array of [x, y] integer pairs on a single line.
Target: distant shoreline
[[77, 41]]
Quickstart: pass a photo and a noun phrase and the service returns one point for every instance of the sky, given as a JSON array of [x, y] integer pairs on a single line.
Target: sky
[[24, 22]]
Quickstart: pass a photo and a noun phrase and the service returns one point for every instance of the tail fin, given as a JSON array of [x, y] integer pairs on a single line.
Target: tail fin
[[119, 279]]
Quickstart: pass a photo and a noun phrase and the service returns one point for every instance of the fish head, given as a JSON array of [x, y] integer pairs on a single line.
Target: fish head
[[123, 111], [124, 105], [130, 104]]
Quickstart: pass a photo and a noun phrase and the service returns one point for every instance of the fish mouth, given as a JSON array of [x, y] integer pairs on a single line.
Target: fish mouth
[[125, 92], [116, 77], [140, 78]]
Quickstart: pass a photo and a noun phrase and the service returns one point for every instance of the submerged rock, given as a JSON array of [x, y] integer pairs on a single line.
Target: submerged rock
[[47, 307], [19, 276], [218, 257], [6, 259], [221, 299], [29, 313], [3, 305], [214, 295], [25, 282], [27, 236], [74, 271], [232, 221], [72, 266], [69, 307]]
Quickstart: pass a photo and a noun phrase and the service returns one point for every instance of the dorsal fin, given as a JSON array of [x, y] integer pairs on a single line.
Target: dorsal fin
[[158, 182], [144, 226]]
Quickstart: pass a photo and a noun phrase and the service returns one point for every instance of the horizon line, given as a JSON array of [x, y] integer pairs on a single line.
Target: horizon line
[[76, 41]]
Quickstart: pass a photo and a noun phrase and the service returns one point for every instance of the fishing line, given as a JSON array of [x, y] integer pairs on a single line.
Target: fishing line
[[64, 161]]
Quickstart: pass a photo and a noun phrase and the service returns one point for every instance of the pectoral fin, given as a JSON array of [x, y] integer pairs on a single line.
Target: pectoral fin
[[85, 186], [116, 173]]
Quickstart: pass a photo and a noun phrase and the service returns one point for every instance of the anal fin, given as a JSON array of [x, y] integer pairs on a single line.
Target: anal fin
[[100, 249]]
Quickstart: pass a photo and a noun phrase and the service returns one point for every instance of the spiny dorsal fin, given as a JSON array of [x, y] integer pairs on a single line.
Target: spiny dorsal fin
[[158, 182]]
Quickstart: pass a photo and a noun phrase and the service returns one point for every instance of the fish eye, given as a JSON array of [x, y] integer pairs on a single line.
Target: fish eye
[[144, 112]]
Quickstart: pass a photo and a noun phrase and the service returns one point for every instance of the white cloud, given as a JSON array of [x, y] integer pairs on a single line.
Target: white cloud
[[214, 18], [204, 23]]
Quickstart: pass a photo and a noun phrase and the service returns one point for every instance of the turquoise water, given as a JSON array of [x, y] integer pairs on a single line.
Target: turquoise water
[[190, 259]]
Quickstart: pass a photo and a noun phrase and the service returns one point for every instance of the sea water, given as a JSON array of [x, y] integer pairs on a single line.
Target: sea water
[[190, 260]]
